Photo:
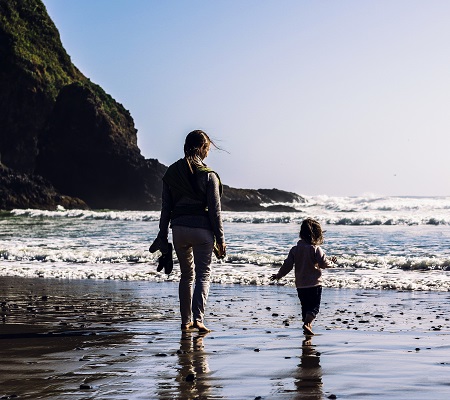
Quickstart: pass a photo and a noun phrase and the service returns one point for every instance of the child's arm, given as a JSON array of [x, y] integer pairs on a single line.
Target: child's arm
[[288, 264], [323, 260]]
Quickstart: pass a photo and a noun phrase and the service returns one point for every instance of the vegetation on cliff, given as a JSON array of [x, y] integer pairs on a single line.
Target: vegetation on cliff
[[34, 47]]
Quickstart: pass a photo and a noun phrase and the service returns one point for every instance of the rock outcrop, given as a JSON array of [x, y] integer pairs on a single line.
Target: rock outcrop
[[258, 200], [62, 138], [20, 190]]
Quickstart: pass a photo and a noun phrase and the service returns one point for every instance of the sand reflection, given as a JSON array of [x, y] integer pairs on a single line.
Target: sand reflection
[[193, 367], [308, 380]]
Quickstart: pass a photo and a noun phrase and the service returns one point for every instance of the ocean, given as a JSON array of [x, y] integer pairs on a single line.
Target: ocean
[[393, 243]]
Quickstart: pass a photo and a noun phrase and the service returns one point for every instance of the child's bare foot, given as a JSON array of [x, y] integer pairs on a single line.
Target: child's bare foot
[[185, 327], [307, 330], [201, 327]]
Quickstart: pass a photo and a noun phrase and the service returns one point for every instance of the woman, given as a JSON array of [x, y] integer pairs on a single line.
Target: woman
[[191, 204]]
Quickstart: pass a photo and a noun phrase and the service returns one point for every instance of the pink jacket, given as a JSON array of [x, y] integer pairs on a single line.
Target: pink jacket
[[308, 261]]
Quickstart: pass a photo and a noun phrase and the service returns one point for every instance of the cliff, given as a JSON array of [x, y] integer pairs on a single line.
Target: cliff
[[63, 140], [97, 155], [57, 124]]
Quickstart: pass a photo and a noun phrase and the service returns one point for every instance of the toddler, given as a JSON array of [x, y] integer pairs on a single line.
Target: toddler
[[308, 259]]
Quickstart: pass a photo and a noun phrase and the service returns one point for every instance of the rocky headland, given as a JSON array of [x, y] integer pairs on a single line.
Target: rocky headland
[[64, 141]]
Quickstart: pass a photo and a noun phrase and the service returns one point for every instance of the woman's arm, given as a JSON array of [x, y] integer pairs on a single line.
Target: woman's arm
[[214, 208], [166, 209]]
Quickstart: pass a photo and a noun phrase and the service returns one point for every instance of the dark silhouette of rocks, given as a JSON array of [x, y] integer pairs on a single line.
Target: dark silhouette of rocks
[[62, 138], [252, 200], [20, 190]]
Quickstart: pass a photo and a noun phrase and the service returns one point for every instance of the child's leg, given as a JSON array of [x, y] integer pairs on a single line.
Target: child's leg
[[301, 296], [310, 300]]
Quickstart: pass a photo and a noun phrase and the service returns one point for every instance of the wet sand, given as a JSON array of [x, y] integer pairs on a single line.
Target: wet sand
[[72, 339]]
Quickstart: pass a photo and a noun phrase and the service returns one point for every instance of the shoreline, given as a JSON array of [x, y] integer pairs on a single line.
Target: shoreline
[[117, 339]]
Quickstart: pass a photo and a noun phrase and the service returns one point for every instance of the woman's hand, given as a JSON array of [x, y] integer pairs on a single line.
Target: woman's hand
[[220, 250], [274, 277]]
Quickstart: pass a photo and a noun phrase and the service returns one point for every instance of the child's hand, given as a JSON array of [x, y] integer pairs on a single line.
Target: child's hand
[[274, 277], [334, 259]]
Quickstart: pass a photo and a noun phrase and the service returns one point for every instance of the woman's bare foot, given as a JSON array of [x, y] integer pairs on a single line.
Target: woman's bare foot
[[201, 327], [185, 327]]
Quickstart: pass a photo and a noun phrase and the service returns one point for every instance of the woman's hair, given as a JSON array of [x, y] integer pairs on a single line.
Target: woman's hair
[[311, 232], [196, 147]]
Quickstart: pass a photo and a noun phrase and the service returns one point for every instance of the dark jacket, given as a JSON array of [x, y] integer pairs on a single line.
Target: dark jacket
[[191, 200]]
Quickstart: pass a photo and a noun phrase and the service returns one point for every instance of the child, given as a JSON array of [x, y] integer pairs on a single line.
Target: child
[[309, 259]]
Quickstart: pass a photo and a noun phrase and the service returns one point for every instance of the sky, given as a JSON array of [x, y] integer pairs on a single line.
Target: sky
[[335, 98]]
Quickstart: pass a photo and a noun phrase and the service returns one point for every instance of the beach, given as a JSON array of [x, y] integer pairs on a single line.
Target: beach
[[103, 339]]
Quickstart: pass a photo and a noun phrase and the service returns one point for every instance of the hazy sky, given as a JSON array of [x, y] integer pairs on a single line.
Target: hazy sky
[[345, 97]]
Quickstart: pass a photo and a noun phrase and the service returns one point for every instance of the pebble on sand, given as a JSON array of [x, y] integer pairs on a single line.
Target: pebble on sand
[[85, 386]]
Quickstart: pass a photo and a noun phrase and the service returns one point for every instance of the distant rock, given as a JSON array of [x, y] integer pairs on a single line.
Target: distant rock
[[253, 200], [282, 196]]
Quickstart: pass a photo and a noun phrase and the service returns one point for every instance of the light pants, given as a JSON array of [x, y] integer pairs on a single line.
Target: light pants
[[194, 247]]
